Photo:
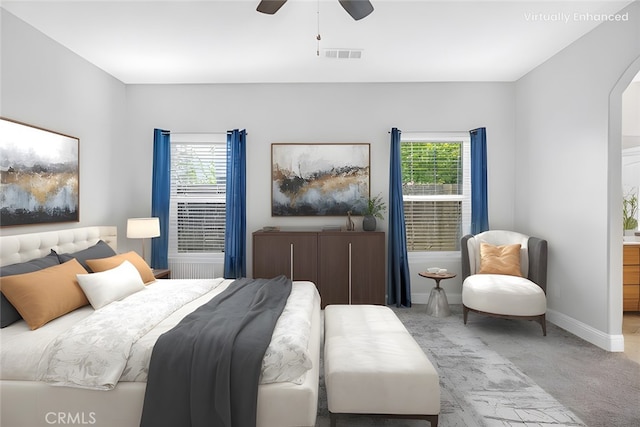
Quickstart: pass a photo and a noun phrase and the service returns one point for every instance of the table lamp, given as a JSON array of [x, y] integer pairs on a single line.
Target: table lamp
[[143, 228]]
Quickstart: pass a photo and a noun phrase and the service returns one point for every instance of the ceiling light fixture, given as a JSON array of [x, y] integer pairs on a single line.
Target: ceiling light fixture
[[358, 9]]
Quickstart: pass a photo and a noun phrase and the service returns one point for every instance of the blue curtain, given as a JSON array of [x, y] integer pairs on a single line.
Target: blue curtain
[[235, 263], [398, 278], [479, 204], [160, 192]]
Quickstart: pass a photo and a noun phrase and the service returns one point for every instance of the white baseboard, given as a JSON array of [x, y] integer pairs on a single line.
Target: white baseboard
[[614, 343]]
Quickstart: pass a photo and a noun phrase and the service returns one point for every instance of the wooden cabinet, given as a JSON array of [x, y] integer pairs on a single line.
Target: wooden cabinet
[[352, 268], [294, 254], [631, 278], [347, 267]]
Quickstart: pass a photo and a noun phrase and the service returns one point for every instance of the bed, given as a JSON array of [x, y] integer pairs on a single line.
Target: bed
[[27, 401]]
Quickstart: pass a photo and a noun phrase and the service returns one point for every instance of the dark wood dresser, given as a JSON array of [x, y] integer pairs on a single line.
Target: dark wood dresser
[[348, 267]]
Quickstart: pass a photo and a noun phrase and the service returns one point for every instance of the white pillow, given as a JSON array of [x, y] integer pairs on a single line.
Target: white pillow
[[111, 285]]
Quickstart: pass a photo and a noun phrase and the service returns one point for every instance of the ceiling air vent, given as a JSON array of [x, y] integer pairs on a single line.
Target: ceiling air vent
[[343, 53]]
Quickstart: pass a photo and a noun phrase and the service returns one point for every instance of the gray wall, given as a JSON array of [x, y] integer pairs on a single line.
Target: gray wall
[[312, 113], [45, 85], [569, 174]]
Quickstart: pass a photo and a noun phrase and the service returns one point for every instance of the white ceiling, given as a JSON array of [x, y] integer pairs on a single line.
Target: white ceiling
[[216, 41]]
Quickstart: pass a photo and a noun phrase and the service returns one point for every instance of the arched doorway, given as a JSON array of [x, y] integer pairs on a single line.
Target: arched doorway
[[615, 201], [631, 185]]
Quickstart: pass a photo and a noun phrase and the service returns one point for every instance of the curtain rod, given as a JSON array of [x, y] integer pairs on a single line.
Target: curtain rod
[[434, 131], [197, 133]]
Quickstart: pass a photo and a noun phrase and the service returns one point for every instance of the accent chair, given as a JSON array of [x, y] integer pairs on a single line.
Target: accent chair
[[504, 274]]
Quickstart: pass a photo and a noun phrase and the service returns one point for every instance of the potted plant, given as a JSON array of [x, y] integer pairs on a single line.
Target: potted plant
[[374, 208], [630, 211]]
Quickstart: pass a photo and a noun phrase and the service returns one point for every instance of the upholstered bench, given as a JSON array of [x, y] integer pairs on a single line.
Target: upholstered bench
[[373, 366]]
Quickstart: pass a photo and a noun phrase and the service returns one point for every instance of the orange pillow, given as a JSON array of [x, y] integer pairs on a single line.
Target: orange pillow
[[45, 294], [500, 259], [104, 264]]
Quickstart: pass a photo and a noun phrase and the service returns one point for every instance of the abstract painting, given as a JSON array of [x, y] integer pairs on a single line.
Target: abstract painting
[[39, 175], [319, 179]]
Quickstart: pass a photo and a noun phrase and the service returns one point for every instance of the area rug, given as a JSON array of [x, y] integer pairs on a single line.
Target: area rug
[[478, 386]]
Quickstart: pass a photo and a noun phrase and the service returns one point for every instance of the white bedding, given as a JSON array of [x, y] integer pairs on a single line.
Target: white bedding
[[286, 360]]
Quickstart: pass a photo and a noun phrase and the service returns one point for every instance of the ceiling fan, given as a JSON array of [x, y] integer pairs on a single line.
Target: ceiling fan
[[358, 9]]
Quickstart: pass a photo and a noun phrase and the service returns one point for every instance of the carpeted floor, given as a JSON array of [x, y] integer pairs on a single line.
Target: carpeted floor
[[497, 372]]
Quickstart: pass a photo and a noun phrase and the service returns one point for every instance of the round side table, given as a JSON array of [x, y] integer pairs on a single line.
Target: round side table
[[438, 306]]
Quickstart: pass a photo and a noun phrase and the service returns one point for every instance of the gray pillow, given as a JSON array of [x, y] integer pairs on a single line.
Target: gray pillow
[[8, 313], [99, 250]]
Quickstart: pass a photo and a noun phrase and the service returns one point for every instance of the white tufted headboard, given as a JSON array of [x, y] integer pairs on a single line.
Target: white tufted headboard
[[25, 247]]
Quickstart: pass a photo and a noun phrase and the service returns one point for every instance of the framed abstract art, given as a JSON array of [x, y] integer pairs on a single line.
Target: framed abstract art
[[39, 175], [319, 179]]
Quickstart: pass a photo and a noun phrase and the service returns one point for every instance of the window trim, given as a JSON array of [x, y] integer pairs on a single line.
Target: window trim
[[465, 198], [194, 139]]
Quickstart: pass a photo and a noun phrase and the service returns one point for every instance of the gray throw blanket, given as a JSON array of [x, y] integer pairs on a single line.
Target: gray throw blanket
[[206, 370]]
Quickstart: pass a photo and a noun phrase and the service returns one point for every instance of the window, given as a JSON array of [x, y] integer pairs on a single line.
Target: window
[[198, 194], [436, 188]]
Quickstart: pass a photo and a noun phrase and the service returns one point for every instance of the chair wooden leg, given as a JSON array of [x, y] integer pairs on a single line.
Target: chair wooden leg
[[541, 319], [543, 322]]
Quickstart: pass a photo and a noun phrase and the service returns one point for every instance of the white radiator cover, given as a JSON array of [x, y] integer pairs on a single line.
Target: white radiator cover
[[194, 269]]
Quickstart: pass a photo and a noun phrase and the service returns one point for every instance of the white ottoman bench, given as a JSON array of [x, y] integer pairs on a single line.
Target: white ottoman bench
[[373, 366]]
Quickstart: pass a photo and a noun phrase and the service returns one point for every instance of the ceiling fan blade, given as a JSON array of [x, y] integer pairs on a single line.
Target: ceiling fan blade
[[358, 9], [270, 6]]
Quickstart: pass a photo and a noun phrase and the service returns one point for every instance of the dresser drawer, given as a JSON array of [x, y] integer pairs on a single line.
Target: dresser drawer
[[631, 254], [631, 274], [631, 297]]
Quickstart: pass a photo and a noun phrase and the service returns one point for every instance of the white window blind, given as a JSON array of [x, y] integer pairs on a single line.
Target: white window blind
[[198, 194], [436, 187]]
